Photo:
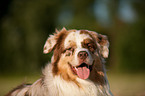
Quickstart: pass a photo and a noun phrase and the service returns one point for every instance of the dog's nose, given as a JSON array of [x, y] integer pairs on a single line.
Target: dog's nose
[[83, 55]]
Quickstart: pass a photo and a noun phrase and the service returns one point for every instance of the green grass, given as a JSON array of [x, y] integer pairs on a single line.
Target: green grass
[[120, 84]]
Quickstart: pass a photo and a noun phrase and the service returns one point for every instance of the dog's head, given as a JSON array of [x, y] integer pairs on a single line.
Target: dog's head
[[76, 52]]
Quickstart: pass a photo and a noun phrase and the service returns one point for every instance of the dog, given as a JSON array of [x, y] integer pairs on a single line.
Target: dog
[[76, 68]]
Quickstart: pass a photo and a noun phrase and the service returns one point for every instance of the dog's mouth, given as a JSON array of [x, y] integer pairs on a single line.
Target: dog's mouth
[[82, 71]]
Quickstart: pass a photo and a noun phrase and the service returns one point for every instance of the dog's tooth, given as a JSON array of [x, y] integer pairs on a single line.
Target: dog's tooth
[[76, 68]]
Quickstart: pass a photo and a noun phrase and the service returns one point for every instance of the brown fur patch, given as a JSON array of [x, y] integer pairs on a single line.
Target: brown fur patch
[[93, 36], [84, 32], [89, 44], [102, 39], [60, 65], [58, 49], [97, 74]]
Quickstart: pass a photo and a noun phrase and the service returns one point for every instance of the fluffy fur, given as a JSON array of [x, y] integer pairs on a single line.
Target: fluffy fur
[[76, 68]]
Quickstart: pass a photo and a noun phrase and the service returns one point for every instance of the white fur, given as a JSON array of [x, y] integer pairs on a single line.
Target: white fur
[[78, 38], [57, 86], [50, 42], [105, 51], [20, 92]]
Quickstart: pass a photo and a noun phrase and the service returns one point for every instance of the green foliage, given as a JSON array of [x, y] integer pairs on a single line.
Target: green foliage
[[132, 50]]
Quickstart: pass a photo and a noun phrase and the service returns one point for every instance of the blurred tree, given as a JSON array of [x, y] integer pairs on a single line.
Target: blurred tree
[[132, 50], [24, 28], [26, 24]]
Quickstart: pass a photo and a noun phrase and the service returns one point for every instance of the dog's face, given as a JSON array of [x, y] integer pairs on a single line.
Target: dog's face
[[75, 52]]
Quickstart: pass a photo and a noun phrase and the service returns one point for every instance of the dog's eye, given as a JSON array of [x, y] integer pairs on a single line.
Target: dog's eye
[[69, 51], [90, 47], [69, 48]]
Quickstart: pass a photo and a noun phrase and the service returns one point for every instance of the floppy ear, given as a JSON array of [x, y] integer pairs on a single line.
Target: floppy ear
[[102, 42], [49, 44], [52, 40]]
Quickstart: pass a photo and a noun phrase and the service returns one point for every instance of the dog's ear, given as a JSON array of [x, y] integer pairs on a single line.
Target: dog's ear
[[49, 44], [104, 45], [52, 40], [102, 42]]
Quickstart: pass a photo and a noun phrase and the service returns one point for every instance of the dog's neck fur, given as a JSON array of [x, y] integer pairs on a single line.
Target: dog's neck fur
[[57, 86]]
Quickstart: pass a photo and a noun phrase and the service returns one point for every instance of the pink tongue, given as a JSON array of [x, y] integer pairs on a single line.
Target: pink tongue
[[83, 72]]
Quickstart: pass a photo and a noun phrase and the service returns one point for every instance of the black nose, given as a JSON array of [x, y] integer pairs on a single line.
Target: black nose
[[83, 55]]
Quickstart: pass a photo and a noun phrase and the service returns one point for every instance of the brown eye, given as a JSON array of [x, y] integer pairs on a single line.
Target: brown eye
[[69, 48], [69, 51], [91, 47]]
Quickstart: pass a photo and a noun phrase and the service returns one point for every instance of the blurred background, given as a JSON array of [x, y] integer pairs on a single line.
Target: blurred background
[[26, 24]]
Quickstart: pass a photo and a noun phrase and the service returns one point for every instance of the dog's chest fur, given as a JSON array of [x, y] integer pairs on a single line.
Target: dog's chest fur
[[57, 86]]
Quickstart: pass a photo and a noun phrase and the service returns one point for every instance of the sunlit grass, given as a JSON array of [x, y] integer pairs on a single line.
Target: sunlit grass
[[7, 83], [120, 84], [127, 84]]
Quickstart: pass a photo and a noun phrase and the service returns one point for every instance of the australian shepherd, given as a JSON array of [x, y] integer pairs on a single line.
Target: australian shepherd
[[76, 68]]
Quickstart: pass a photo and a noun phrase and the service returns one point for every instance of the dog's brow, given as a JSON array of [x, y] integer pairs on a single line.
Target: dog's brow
[[81, 37], [71, 44], [88, 42]]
